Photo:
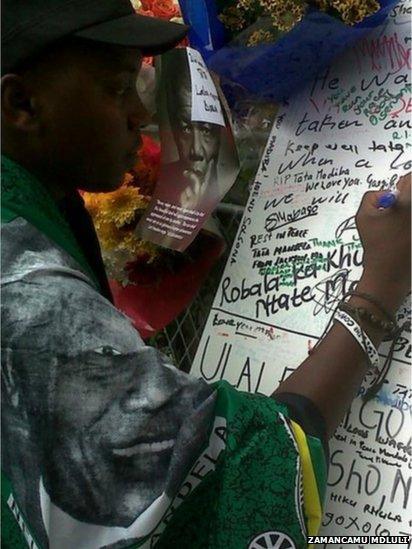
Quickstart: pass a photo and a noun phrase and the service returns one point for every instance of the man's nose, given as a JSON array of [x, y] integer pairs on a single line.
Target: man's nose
[[196, 149], [133, 400]]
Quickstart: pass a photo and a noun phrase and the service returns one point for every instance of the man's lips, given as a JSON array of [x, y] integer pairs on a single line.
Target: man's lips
[[144, 448], [132, 155]]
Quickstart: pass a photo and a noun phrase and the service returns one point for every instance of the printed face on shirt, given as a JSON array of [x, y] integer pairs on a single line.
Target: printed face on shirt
[[197, 142], [114, 421]]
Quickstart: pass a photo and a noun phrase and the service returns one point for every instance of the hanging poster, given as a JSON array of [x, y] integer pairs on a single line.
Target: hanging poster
[[199, 160]]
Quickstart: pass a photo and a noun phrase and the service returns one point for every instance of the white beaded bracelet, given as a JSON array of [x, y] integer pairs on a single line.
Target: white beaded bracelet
[[361, 337]]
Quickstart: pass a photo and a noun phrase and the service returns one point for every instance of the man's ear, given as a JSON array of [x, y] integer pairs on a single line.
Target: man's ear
[[17, 103]]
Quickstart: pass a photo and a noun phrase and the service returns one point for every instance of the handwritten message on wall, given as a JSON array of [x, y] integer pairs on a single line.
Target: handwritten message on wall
[[297, 252]]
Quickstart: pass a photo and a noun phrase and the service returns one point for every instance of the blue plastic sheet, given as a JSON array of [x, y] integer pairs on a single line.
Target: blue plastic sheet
[[273, 72], [206, 34]]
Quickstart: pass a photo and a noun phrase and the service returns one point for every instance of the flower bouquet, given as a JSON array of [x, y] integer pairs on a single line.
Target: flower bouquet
[[267, 49], [150, 284]]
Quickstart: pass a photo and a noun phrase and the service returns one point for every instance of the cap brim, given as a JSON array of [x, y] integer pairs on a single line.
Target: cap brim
[[151, 35]]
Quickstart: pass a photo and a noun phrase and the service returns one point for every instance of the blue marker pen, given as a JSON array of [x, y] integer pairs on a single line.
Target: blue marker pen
[[388, 199]]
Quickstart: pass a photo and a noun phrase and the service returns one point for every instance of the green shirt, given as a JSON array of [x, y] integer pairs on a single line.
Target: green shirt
[[105, 443]]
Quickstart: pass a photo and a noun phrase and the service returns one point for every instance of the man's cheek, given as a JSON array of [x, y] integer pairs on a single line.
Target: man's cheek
[[78, 404], [216, 145], [210, 152]]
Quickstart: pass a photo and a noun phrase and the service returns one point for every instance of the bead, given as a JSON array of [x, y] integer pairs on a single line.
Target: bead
[[360, 313]]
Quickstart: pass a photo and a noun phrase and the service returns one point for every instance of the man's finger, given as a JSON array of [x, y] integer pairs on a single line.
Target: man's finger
[[404, 188], [370, 201]]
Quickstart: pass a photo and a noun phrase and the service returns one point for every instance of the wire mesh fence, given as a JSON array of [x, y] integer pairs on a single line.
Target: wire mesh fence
[[180, 339]]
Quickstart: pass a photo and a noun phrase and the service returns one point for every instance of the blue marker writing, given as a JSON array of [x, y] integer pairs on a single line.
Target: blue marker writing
[[387, 200]]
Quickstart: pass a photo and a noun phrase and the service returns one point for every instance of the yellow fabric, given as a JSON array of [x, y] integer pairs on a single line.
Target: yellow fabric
[[311, 500]]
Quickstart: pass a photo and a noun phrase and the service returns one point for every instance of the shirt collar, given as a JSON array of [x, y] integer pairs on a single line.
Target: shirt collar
[[23, 195], [66, 532]]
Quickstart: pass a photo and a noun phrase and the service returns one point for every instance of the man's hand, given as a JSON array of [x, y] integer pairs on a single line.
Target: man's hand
[[192, 195], [386, 239], [330, 377], [198, 187]]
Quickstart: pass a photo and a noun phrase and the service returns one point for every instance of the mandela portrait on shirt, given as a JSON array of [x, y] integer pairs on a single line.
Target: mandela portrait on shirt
[[95, 438]]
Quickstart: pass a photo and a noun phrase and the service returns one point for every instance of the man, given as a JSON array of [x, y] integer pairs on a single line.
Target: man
[[105, 443]]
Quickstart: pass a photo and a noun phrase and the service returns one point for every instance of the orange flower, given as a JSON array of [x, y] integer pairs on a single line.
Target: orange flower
[[165, 9], [147, 13]]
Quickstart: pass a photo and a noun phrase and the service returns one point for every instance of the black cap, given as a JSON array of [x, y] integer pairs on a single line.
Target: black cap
[[28, 26]]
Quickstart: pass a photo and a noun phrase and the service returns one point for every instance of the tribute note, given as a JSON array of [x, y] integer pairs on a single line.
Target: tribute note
[[206, 105], [297, 252]]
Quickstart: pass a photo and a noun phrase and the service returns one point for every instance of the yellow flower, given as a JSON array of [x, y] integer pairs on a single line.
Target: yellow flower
[[245, 4], [285, 14], [118, 207], [92, 203], [128, 179], [130, 242], [259, 37], [232, 18], [110, 237], [354, 11], [112, 213]]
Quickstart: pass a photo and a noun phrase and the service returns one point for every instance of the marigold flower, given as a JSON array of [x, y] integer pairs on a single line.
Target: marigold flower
[[110, 237], [232, 18], [120, 206], [112, 216]]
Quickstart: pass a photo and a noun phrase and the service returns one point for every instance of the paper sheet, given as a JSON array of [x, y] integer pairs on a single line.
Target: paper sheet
[[297, 251]]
